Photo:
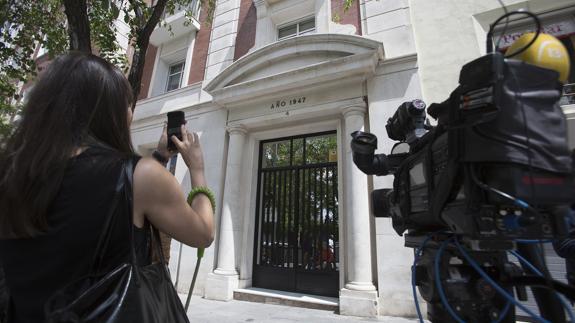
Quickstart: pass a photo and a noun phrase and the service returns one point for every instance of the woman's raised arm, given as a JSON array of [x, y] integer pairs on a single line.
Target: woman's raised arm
[[159, 198]]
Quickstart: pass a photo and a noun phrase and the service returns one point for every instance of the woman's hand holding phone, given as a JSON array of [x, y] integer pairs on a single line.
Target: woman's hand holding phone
[[162, 147], [191, 151]]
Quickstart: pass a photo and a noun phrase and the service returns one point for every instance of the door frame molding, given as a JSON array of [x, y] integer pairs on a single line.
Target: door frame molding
[[250, 184]]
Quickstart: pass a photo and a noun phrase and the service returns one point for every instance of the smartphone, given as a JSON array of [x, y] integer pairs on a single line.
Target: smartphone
[[175, 121]]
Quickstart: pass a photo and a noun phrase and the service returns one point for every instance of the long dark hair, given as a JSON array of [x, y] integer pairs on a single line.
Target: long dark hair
[[79, 99]]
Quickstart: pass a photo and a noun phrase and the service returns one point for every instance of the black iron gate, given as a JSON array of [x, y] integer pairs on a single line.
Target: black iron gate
[[297, 241]]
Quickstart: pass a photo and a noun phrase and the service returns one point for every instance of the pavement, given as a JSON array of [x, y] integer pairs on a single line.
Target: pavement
[[209, 311]]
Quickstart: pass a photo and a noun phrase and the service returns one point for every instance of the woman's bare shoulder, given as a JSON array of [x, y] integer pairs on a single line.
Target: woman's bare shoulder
[[150, 175]]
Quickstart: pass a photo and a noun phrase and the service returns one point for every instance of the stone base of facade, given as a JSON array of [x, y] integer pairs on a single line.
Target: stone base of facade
[[389, 306], [358, 303], [245, 283], [221, 287]]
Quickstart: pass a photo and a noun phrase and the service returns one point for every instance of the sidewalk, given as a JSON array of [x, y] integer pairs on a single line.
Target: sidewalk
[[209, 311]]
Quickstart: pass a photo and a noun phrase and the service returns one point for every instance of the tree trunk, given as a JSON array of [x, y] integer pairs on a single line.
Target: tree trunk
[[137, 70], [141, 47], [78, 25]]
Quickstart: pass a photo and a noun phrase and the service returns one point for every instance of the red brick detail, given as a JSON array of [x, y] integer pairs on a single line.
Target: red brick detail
[[148, 69], [201, 46], [349, 17], [246, 36]]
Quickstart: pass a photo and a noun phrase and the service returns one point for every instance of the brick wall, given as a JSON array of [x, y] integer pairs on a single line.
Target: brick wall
[[349, 17], [148, 69], [201, 46], [246, 29]]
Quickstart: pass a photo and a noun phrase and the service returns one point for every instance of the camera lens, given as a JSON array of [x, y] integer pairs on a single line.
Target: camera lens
[[416, 106]]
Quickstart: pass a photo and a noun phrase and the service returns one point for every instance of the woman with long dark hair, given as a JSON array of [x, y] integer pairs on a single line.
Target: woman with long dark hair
[[58, 173]]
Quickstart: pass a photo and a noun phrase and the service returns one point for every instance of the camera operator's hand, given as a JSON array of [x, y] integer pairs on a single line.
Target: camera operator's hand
[[191, 152], [162, 147]]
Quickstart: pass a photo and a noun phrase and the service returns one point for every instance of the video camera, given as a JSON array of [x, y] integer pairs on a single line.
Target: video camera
[[496, 169]]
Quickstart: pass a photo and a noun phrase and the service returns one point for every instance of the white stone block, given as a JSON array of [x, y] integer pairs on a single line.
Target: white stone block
[[214, 70], [226, 41], [358, 303], [394, 273], [388, 20], [378, 7], [220, 56], [226, 17], [225, 6], [225, 29], [396, 42], [221, 287]]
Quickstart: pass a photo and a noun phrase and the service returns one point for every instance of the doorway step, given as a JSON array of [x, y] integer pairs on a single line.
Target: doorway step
[[277, 297]]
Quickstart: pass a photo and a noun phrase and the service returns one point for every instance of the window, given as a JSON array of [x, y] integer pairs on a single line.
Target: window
[[175, 76], [303, 27]]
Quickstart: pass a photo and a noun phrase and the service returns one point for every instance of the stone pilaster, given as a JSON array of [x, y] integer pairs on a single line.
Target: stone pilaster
[[359, 296], [222, 282]]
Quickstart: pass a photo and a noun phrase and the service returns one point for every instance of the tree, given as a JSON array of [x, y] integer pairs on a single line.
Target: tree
[[80, 25]]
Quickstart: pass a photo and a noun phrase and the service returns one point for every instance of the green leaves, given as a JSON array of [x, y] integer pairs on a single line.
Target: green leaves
[[26, 26], [104, 32], [347, 4]]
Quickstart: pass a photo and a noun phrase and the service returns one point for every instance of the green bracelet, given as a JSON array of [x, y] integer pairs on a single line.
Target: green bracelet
[[202, 190], [207, 192]]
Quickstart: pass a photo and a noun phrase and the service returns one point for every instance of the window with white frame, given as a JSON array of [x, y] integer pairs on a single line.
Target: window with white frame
[[175, 73], [298, 28]]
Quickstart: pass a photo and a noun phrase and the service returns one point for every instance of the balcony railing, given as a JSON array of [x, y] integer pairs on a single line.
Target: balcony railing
[[193, 8], [183, 20]]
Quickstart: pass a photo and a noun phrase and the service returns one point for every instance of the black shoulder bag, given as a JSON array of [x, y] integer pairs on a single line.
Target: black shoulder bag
[[128, 293]]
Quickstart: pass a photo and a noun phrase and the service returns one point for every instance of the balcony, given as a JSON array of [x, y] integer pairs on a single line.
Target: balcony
[[178, 24], [173, 100]]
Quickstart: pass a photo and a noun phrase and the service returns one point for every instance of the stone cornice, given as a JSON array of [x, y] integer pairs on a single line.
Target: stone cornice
[[351, 56]]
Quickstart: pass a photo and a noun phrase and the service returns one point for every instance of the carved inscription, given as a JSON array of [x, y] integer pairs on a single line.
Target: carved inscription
[[287, 103]]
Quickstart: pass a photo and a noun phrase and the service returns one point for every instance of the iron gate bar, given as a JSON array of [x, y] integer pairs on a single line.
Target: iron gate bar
[[296, 223], [273, 217], [281, 232], [321, 220], [291, 229], [285, 220], [266, 202], [317, 214]]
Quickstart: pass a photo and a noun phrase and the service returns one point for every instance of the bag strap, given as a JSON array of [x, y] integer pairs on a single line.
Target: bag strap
[[105, 235], [129, 182]]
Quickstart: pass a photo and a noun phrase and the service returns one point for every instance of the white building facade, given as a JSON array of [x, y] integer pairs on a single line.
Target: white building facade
[[268, 77]]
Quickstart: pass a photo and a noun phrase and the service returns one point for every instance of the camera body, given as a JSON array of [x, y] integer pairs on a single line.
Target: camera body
[[495, 168]]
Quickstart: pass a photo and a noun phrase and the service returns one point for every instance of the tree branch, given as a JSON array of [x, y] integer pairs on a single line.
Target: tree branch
[[153, 21], [138, 13]]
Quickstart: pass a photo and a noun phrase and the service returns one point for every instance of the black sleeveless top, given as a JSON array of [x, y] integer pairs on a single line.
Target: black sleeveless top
[[35, 268]]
